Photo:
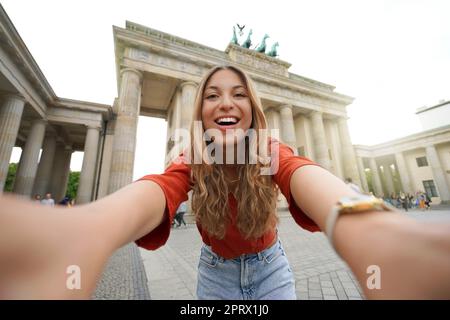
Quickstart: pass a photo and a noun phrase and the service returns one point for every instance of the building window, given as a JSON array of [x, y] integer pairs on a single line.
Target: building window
[[301, 151], [430, 188], [422, 161]]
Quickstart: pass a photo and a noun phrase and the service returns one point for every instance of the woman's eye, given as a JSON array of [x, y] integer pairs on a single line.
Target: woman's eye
[[211, 96], [240, 95]]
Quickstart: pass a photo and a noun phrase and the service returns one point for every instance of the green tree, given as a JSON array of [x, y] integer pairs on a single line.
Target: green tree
[[369, 180], [12, 169], [72, 187]]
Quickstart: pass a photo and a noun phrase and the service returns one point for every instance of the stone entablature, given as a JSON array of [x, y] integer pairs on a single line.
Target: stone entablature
[[19, 67], [68, 116], [80, 112], [414, 141], [21, 83], [312, 82], [236, 53], [180, 43], [153, 51], [257, 60], [282, 91], [34, 118]]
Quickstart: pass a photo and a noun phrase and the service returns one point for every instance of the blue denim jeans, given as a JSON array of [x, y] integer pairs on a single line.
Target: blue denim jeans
[[261, 276]]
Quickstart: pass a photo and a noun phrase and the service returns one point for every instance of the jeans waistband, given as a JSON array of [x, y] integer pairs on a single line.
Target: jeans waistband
[[259, 255]]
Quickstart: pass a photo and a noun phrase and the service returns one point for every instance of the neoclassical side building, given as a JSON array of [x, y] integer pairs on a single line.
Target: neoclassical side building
[[157, 76], [32, 117], [417, 163]]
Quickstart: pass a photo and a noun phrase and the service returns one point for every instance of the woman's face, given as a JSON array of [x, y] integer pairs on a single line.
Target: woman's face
[[226, 104]]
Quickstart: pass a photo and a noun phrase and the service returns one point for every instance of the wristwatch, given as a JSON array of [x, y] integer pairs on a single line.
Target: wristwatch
[[354, 204]]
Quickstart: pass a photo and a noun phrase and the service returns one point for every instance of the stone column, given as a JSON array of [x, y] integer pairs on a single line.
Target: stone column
[[388, 178], [87, 175], [60, 171], [273, 119], [403, 172], [67, 156], [320, 142], [378, 188], [348, 153], [287, 127], [362, 174], [10, 116], [184, 112], [188, 93], [105, 165], [45, 167], [175, 120], [124, 144], [438, 173], [27, 172]]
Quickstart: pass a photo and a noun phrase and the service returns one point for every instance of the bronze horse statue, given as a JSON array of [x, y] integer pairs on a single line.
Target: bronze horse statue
[[273, 50], [262, 46]]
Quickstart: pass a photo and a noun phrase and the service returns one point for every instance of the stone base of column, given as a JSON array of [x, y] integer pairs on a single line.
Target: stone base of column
[[189, 217], [282, 204]]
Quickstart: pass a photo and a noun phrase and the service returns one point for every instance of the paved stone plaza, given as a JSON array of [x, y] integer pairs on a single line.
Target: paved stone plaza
[[171, 272], [124, 277], [319, 272]]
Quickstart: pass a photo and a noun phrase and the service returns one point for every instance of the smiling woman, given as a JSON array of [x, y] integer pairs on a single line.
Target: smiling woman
[[226, 103], [235, 210]]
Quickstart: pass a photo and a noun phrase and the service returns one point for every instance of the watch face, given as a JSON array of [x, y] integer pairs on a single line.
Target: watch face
[[360, 203]]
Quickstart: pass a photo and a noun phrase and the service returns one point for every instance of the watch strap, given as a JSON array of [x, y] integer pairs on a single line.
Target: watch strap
[[337, 210]]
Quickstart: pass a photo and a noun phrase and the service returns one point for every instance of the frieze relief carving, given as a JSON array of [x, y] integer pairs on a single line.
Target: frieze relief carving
[[166, 61], [257, 60], [260, 64], [192, 67], [297, 96], [162, 36]]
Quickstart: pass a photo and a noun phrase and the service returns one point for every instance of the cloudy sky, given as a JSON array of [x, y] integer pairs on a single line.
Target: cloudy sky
[[391, 56]]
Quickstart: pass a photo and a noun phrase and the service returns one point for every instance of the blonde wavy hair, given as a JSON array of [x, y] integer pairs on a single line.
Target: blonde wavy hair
[[257, 194]]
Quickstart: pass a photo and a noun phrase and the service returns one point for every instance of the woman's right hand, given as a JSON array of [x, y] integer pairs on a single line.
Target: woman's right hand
[[42, 249], [39, 244]]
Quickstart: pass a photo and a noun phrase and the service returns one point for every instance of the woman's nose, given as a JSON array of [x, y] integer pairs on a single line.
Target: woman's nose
[[226, 103]]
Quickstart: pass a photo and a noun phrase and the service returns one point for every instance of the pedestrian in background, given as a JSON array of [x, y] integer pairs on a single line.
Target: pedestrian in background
[[179, 217], [48, 200]]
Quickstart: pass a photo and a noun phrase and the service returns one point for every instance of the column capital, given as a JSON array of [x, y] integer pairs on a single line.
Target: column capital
[[284, 106], [185, 83], [39, 121], [12, 95], [68, 147], [137, 72], [90, 126], [50, 134], [342, 119], [316, 112], [270, 109], [61, 144]]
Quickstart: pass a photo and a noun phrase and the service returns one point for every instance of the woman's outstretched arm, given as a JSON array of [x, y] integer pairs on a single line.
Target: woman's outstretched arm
[[413, 258], [39, 243]]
